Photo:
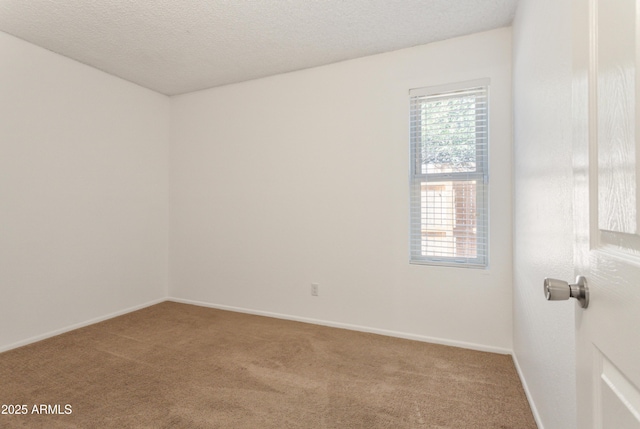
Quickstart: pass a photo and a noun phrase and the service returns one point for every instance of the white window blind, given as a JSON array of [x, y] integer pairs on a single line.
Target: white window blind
[[449, 175]]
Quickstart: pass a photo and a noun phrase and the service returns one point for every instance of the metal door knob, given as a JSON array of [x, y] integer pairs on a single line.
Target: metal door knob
[[557, 290]]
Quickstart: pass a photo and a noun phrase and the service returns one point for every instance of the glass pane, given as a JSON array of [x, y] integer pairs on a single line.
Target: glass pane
[[448, 221], [448, 131]]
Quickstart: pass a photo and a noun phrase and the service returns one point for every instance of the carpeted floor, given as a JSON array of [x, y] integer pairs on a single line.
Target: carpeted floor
[[181, 366]]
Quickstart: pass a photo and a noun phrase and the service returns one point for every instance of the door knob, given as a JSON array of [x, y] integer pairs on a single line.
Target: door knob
[[557, 290]]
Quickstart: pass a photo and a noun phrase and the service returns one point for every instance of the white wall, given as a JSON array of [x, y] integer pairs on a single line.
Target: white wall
[[544, 341], [83, 193], [303, 177], [275, 183]]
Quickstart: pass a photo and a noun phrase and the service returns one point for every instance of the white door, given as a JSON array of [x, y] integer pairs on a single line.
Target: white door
[[607, 210]]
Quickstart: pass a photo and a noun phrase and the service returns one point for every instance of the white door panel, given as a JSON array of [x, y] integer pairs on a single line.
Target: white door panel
[[620, 399], [607, 244]]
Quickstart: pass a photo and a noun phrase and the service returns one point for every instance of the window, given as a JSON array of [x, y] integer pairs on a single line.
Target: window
[[449, 175]]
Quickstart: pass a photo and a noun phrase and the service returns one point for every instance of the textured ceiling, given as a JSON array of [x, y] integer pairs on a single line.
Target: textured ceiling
[[177, 46]]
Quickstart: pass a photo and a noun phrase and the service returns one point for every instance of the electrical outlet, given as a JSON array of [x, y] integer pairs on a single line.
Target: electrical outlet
[[314, 289]]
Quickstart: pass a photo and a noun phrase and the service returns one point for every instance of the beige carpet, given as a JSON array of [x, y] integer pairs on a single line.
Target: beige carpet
[[180, 366]]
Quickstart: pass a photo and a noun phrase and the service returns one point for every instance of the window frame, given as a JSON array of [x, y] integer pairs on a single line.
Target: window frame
[[480, 176]]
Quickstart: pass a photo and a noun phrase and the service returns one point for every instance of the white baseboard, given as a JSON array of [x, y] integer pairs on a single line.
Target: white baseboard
[[79, 325], [360, 328], [532, 405], [389, 333]]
